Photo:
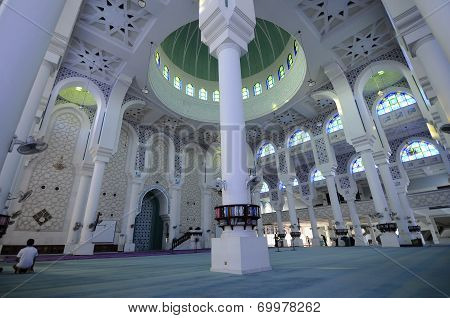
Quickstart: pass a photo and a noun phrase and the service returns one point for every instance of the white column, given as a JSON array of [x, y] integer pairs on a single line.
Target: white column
[[281, 226], [328, 236], [33, 23], [315, 231], [335, 207], [394, 202], [433, 229], [372, 232], [437, 68], [207, 211], [23, 129], [388, 239], [77, 214], [359, 237], [86, 247], [130, 215], [260, 227], [175, 203], [295, 227], [436, 13], [409, 214]]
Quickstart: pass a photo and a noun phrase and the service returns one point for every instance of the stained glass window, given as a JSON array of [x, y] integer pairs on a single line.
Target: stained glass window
[[317, 176], [295, 182], [203, 94], [394, 101], [177, 83], [157, 58], [257, 89], [265, 150], [418, 150], [357, 165], [298, 137], [216, 96], [245, 93], [264, 188], [281, 72], [190, 90], [269, 82], [166, 72], [334, 124], [296, 47], [290, 61]]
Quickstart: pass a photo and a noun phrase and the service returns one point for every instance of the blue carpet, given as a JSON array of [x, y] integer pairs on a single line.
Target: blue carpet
[[308, 272]]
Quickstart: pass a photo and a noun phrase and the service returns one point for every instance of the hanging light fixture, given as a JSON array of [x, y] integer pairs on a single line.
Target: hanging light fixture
[[310, 82]]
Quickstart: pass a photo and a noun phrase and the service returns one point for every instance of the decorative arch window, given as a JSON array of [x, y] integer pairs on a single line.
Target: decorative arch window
[[264, 188], [270, 82], [295, 182], [394, 101], [157, 58], [177, 83], [281, 185], [298, 137], [265, 150], [417, 150], [257, 89], [216, 96], [296, 47], [334, 124], [203, 94], [166, 72], [245, 93], [190, 90], [357, 165], [281, 72], [290, 61], [317, 176]]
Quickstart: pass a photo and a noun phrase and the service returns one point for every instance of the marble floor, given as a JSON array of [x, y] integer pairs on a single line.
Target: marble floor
[[307, 272]]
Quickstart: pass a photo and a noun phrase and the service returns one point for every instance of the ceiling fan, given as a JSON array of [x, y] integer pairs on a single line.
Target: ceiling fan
[[30, 146]]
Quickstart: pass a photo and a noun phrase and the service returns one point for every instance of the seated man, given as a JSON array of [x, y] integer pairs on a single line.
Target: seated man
[[26, 258]]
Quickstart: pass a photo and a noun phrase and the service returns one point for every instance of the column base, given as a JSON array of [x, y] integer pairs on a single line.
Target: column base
[[404, 239], [239, 255], [315, 242], [69, 249], [129, 248], [84, 249], [389, 239], [341, 243], [298, 242], [361, 241]]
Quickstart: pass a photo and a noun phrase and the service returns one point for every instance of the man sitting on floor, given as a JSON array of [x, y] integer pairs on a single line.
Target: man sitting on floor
[[26, 258]]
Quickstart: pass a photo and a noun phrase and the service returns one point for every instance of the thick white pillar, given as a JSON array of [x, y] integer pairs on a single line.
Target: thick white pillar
[[85, 246], [33, 23], [131, 212], [260, 229], [207, 212], [433, 229], [328, 236], [175, 204], [359, 237], [295, 227], [436, 13], [280, 226], [394, 202], [402, 195], [314, 229], [335, 207], [78, 209], [388, 239], [437, 68], [372, 232]]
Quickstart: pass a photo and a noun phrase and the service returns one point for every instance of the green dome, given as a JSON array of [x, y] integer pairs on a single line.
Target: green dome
[[186, 50]]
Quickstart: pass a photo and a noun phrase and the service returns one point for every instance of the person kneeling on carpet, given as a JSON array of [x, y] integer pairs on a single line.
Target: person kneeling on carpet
[[26, 258]]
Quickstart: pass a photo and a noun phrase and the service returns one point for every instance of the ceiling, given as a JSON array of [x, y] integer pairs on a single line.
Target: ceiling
[[186, 50]]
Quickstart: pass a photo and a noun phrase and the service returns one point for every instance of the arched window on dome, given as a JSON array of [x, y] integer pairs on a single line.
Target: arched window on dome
[[166, 73], [417, 150], [281, 72], [295, 182], [216, 96], [265, 150], [317, 176], [245, 93], [357, 165], [190, 90], [157, 58], [270, 82], [264, 188], [177, 83], [290, 61], [394, 101], [334, 124], [296, 47], [203, 94], [298, 137], [257, 89]]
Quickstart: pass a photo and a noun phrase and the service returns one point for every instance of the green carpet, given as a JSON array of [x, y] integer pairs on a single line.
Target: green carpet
[[309, 272]]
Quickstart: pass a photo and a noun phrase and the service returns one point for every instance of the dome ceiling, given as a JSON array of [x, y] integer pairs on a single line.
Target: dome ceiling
[[186, 50], [78, 95]]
